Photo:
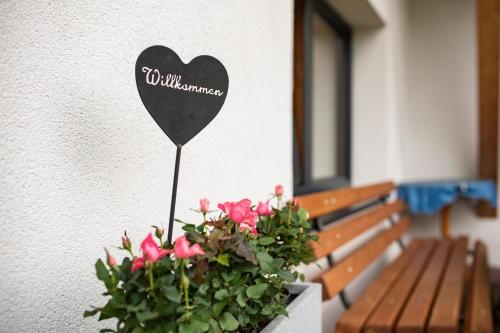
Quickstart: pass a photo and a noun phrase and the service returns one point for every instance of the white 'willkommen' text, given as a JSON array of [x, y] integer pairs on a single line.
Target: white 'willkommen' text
[[154, 78]]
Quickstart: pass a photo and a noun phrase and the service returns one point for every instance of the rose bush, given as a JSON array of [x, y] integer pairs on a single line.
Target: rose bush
[[226, 274]]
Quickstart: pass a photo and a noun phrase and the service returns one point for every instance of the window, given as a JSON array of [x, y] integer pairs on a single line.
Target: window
[[321, 98]]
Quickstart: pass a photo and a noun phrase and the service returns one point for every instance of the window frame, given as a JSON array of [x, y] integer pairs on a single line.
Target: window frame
[[302, 139]]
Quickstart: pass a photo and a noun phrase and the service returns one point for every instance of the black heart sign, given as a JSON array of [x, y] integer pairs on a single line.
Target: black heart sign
[[182, 98]]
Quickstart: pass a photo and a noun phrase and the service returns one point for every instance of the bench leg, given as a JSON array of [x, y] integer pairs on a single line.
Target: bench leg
[[445, 221]]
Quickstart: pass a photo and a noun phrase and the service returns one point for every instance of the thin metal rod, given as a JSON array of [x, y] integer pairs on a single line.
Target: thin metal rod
[[343, 297], [399, 240], [174, 194]]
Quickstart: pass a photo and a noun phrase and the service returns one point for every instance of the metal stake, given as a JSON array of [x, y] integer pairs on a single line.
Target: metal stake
[[174, 194]]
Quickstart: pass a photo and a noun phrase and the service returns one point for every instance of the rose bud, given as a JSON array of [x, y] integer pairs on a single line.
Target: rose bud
[[158, 231], [126, 244], [109, 259], [278, 190], [204, 205]]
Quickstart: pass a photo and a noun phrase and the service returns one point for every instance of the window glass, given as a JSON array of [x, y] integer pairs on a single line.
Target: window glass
[[324, 100]]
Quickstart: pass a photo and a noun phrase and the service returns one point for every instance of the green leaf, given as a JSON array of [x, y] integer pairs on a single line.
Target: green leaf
[[216, 283], [108, 312], [243, 318], [167, 279], [265, 240], [90, 313], [218, 307], [171, 293], [267, 263], [146, 315], [101, 270], [198, 300], [286, 275], [136, 308], [266, 310], [169, 327], [203, 289], [138, 329], [228, 322], [228, 277], [302, 213], [242, 298], [118, 300], [156, 329], [281, 310], [214, 325], [189, 227], [251, 311], [256, 291], [194, 326], [223, 259], [221, 295]]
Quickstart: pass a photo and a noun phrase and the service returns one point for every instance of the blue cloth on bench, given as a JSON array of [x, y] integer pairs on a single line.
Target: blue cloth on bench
[[430, 197]]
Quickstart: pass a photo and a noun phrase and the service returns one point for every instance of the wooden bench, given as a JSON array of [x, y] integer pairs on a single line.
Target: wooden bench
[[428, 288]]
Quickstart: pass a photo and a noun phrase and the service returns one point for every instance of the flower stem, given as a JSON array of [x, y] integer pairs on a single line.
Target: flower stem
[[186, 300], [289, 214], [185, 289], [151, 280]]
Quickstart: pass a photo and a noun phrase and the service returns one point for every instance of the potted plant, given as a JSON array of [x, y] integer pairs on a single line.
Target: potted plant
[[229, 273]]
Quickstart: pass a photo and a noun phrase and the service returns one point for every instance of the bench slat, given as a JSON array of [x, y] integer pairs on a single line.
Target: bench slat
[[337, 277], [479, 317], [353, 320], [336, 236], [388, 311], [323, 203], [446, 311], [417, 310]]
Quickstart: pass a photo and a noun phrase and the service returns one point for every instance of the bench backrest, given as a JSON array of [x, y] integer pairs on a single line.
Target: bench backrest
[[344, 214]]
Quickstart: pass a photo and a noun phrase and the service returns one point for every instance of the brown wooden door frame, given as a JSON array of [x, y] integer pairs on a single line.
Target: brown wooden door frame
[[488, 32]]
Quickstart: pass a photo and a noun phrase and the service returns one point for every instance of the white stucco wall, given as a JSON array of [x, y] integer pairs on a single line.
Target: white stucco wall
[[440, 120], [81, 160]]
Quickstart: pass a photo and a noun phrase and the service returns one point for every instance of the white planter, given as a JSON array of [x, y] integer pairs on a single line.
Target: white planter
[[304, 312]]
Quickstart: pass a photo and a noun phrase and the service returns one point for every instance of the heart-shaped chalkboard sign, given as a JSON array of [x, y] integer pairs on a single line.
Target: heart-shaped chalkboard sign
[[182, 98]]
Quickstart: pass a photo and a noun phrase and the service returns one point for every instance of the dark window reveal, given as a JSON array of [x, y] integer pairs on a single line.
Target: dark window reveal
[[322, 75]]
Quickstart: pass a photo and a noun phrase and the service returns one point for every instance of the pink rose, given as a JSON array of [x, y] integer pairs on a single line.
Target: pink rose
[[151, 250], [278, 190], [253, 229], [237, 211], [182, 248], [137, 264], [204, 204], [252, 218], [263, 208], [225, 207]]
